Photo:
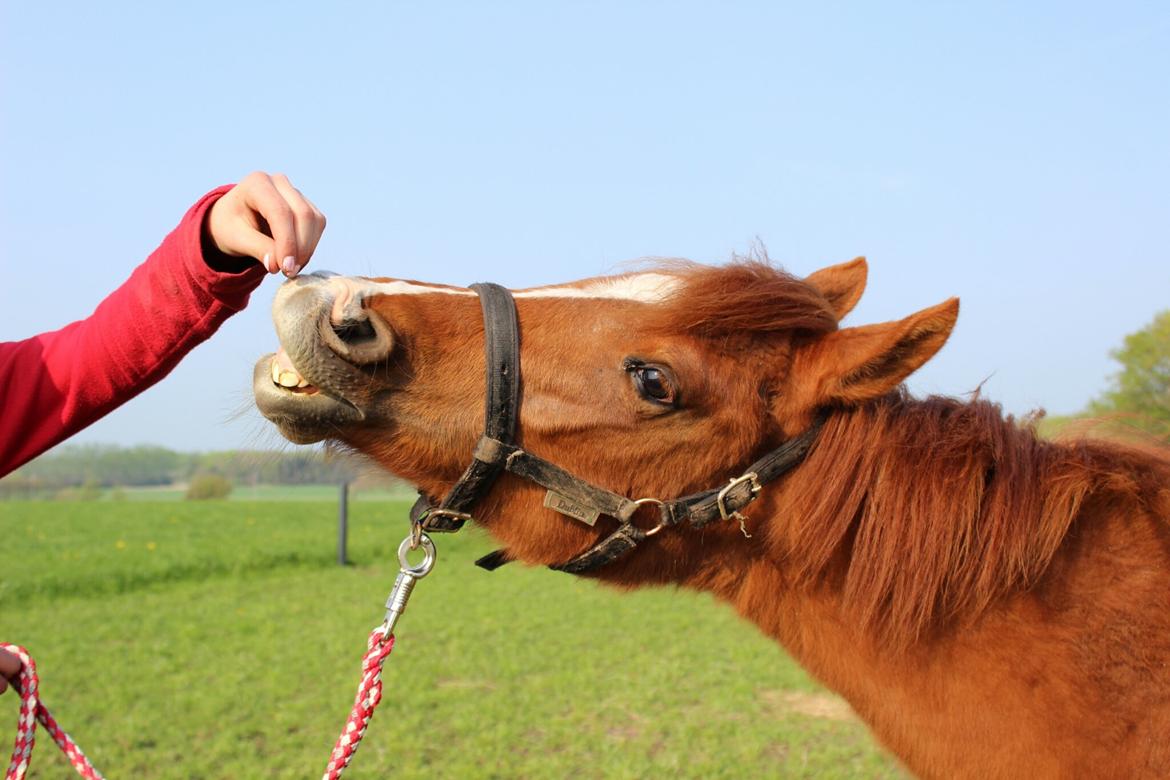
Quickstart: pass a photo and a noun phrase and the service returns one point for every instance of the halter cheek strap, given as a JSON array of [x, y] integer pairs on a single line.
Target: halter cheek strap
[[501, 408], [496, 451]]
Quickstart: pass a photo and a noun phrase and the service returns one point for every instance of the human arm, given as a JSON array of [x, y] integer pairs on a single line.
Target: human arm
[[54, 384]]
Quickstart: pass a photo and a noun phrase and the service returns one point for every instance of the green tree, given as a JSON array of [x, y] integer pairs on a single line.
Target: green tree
[[1141, 389]]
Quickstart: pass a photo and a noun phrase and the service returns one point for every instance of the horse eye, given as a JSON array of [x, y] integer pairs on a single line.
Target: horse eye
[[653, 384]]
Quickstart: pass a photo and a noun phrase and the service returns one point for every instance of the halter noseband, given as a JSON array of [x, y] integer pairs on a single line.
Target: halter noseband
[[496, 451]]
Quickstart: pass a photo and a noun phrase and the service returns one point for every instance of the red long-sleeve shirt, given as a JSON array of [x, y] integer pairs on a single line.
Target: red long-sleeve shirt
[[55, 384]]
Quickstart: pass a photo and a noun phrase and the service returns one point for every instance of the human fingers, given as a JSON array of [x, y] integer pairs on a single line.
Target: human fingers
[[237, 229], [9, 668], [248, 241], [309, 220], [260, 195]]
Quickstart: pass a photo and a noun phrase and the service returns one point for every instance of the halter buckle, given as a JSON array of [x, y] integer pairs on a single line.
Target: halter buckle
[[423, 523], [753, 481]]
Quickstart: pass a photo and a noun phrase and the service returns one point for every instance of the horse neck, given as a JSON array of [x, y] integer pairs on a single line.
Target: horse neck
[[899, 565]]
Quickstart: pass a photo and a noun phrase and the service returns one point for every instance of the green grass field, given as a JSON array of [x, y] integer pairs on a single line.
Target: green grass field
[[220, 640]]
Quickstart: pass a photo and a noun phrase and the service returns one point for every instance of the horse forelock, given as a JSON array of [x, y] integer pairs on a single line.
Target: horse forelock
[[932, 509], [748, 297]]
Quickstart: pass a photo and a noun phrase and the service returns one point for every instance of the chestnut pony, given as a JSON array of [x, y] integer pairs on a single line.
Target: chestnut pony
[[990, 603]]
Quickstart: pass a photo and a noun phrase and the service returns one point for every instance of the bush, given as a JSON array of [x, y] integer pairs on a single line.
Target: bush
[[90, 491], [204, 486]]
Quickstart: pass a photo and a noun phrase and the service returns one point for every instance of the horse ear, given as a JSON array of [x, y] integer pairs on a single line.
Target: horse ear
[[842, 284], [854, 365]]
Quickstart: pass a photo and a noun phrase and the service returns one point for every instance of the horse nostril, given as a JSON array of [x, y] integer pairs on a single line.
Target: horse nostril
[[361, 338], [355, 332]]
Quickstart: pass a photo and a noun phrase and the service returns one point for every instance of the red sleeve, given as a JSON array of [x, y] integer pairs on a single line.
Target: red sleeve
[[55, 384]]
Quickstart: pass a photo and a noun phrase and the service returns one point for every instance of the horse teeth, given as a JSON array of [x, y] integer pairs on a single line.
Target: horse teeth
[[286, 378]]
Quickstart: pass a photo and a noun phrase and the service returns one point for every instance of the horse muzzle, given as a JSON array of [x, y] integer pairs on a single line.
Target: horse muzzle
[[332, 351]]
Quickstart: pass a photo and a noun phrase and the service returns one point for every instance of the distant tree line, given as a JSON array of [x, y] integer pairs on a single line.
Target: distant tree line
[[92, 467], [1139, 393], [1138, 398], [1136, 402]]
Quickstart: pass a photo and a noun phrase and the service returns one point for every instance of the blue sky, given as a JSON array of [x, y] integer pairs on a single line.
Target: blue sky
[[1017, 157]]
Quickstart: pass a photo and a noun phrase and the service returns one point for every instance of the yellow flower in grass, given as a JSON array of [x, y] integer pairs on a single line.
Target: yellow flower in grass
[[120, 544], [151, 546]]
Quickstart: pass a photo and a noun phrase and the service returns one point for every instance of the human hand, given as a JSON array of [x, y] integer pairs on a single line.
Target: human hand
[[266, 218], [9, 669]]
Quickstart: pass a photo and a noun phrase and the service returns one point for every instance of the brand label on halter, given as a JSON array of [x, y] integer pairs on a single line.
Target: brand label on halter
[[570, 508]]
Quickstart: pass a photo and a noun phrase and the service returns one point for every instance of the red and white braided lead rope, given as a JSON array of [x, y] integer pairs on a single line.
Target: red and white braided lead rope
[[369, 693], [31, 711]]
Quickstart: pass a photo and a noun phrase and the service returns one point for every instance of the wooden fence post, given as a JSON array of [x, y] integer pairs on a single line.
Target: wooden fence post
[[342, 523]]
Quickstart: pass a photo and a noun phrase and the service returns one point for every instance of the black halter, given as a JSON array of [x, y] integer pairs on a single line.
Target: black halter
[[496, 451]]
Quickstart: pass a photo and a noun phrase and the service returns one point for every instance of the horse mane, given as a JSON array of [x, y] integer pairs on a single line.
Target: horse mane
[[935, 508], [748, 296]]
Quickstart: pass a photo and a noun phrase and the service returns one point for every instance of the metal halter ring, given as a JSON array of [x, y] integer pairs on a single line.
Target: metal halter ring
[[428, 561], [661, 521], [720, 500]]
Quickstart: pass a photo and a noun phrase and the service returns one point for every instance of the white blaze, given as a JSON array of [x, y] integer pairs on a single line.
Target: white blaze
[[646, 287], [649, 287]]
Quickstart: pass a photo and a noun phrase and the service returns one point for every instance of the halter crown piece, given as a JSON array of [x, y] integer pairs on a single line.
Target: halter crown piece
[[496, 451]]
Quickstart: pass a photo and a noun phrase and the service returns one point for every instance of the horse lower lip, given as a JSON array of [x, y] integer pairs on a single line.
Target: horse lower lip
[[315, 395], [301, 390]]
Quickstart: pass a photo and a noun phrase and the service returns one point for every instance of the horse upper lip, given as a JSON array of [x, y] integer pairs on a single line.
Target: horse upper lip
[[302, 315], [331, 342]]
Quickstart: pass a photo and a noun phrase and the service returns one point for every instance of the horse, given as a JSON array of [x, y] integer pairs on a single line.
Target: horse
[[990, 603]]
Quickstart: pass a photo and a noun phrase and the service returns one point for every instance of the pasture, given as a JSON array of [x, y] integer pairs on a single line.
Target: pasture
[[220, 640]]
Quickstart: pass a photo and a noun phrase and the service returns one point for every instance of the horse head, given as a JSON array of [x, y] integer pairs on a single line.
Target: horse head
[[649, 384]]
